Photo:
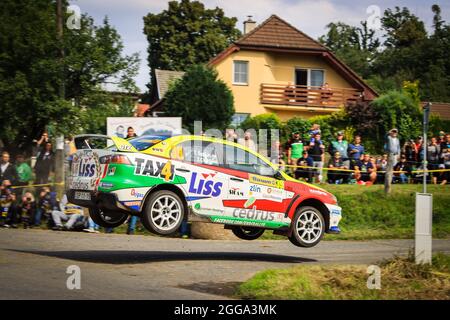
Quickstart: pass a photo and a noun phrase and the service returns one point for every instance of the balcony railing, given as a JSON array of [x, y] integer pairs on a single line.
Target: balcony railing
[[308, 96]]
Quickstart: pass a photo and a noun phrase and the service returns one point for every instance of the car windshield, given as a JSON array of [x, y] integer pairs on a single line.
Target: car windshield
[[145, 142]]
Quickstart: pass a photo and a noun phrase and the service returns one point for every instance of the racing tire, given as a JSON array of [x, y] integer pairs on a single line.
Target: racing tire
[[107, 218], [163, 213], [247, 233], [308, 227]]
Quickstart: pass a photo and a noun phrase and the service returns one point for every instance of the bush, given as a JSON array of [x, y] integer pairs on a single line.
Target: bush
[[296, 124]]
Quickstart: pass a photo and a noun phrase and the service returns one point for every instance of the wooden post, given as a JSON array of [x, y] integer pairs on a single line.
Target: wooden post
[[388, 174]]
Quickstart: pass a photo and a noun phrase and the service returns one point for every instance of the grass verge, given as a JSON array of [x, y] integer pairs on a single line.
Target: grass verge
[[400, 279]]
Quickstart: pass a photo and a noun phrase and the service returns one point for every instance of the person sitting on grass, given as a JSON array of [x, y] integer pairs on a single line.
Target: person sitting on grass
[[445, 164], [405, 171], [365, 172], [68, 212], [336, 176], [8, 206], [305, 173], [27, 209]]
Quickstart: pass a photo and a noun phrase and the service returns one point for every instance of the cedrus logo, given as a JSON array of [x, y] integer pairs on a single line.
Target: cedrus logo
[[201, 185]]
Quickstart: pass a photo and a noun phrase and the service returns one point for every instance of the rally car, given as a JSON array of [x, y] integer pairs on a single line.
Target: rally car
[[165, 180]]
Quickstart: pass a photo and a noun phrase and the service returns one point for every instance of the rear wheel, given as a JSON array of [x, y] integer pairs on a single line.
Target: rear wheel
[[247, 233], [308, 227], [163, 213], [107, 218]]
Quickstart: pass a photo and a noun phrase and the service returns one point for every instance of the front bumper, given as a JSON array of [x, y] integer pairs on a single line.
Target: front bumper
[[335, 216]]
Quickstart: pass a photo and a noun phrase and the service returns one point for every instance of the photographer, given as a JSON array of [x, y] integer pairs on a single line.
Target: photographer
[[45, 205], [27, 209], [8, 207]]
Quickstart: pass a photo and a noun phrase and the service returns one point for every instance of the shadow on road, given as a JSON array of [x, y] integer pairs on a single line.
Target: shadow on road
[[130, 257]]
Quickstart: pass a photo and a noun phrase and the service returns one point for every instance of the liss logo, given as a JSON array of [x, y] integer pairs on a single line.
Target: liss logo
[[201, 185], [86, 169], [154, 169]]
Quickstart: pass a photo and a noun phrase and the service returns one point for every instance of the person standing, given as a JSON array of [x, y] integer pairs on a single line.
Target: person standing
[[7, 169], [355, 150], [247, 141], [44, 164], [317, 153], [433, 158], [24, 172], [340, 145], [294, 149]]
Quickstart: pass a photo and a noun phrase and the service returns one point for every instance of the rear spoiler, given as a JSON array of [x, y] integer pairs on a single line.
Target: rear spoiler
[[82, 142]]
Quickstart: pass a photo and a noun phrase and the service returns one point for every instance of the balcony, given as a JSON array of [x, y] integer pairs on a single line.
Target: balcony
[[315, 98]]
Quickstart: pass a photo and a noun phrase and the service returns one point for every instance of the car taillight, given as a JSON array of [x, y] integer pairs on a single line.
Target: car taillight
[[115, 158]]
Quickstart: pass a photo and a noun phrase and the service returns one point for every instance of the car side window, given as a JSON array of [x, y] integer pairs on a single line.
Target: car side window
[[196, 151], [242, 160]]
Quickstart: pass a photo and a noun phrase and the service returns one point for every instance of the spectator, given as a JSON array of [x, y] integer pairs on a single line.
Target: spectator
[[316, 151], [92, 226], [304, 161], [41, 143], [8, 206], [340, 145], [132, 221], [24, 172], [446, 143], [276, 155], [365, 171], [130, 133], [409, 152], [433, 158], [46, 204], [355, 150], [381, 164], [402, 170], [294, 149], [315, 129], [44, 164], [441, 137], [247, 141], [392, 145], [27, 209], [336, 176], [231, 135], [7, 170], [445, 164], [325, 92], [417, 151], [67, 212], [289, 92]]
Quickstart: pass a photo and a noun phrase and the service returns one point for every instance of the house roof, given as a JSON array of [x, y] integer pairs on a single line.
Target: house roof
[[163, 79], [441, 109], [275, 32]]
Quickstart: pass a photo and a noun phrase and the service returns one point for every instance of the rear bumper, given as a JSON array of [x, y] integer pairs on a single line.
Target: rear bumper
[[107, 201]]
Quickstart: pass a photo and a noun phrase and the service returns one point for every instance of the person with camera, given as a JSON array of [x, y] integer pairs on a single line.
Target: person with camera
[[8, 207], [27, 209]]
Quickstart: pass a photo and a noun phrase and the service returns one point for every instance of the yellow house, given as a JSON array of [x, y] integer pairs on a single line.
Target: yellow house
[[277, 68]]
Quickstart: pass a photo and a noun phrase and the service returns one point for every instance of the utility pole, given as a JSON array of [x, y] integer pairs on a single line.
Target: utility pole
[[59, 155]]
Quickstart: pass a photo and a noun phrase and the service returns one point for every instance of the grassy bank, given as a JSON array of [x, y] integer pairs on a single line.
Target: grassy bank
[[400, 279], [369, 214]]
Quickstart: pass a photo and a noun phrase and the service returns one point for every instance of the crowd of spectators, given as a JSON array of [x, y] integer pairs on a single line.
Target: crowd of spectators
[[349, 162]]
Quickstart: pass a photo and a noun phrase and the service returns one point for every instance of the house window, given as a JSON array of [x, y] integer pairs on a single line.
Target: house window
[[309, 77], [238, 118], [240, 72]]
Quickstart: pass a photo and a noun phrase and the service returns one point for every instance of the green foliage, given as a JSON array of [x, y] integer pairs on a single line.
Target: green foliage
[[200, 95], [296, 124], [397, 110], [30, 69], [262, 121], [186, 34]]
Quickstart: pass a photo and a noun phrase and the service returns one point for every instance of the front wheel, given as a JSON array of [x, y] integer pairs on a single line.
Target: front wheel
[[308, 227], [247, 233], [163, 212], [107, 218]]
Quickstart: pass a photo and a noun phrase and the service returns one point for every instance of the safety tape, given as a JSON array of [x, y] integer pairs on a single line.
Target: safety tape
[[348, 170]]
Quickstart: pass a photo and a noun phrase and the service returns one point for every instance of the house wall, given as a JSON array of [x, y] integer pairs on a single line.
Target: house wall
[[276, 68]]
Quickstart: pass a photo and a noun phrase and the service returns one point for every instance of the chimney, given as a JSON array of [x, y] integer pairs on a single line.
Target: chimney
[[249, 25]]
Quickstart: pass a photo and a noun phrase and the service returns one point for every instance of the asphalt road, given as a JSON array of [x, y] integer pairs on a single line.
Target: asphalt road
[[33, 263]]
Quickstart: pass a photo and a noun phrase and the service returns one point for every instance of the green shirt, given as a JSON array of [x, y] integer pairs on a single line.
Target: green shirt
[[24, 172], [297, 150]]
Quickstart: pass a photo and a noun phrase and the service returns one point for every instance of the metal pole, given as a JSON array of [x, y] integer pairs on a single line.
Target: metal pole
[[426, 112]]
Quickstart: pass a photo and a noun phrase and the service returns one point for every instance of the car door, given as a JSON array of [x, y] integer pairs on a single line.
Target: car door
[[200, 163]]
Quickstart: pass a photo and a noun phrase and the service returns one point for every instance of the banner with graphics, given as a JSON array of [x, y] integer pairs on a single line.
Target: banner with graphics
[[168, 126]]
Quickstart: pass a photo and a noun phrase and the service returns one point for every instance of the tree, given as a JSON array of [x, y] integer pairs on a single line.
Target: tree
[[356, 46], [30, 69], [200, 95], [186, 34]]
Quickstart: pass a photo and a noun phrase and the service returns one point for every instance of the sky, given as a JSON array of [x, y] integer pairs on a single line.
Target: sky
[[310, 16]]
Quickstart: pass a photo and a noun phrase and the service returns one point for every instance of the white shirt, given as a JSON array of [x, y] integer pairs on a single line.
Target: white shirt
[[3, 166]]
